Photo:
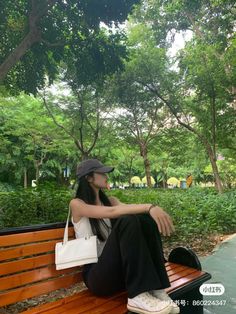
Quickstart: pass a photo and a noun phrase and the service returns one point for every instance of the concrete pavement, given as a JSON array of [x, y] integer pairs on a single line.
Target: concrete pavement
[[221, 264]]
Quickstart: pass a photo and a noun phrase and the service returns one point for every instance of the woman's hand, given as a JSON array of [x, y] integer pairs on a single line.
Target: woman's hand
[[163, 220]]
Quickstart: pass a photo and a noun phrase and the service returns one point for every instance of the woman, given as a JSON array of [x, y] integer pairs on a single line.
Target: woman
[[130, 253]]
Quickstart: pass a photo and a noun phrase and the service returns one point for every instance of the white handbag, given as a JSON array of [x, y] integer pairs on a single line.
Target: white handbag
[[75, 252]]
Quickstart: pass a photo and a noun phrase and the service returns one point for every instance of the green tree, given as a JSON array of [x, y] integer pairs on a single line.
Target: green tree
[[30, 143], [141, 115], [84, 110], [37, 36], [199, 93]]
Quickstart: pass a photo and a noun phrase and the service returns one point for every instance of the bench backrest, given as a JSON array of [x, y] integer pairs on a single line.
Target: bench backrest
[[27, 262]]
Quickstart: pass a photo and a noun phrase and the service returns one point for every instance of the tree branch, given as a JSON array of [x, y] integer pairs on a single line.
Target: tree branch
[[32, 37], [151, 126], [57, 44], [59, 125], [174, 112]]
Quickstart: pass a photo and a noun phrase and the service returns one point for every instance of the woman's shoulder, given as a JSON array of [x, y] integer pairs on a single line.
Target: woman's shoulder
[[76, 200], [73, 205]]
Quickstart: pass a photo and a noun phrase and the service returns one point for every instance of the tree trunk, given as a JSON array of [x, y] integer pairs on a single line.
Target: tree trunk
[[31, 38], [36, 170], [25, 178], [84, 155], [130, 170], [144, 154], [164, 183], [212, 157]]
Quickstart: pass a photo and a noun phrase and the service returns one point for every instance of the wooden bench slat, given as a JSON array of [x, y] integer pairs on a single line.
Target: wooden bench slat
[[13, 296], [84, 298], [90, 304], [72, 304], [99, 309], [27, 264], [121, 309], [181, 274], [27, 250], [31, 276], [34, 236], [56, 304], [170, 266], [75, 305], [183, 281], [179, 270], [176, 270]]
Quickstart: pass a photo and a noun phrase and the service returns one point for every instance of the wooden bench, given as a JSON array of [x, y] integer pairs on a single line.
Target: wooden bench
[[27, 270]]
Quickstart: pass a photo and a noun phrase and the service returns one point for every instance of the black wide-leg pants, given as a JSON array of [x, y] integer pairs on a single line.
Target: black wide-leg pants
[[132, 259]]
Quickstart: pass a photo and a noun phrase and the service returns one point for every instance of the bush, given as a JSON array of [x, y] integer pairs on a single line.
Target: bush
[[39, 205], [195, 211], [6, 187]]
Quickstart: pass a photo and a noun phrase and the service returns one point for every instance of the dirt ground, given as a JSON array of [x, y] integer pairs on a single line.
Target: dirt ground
[[201, 246]]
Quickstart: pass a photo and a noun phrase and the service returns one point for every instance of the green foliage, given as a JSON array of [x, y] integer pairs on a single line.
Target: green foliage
[[67, 32], [6, 187], [201, 83], [44, 204], [213, 19], [36, 144], [196, 86], [195, 211]]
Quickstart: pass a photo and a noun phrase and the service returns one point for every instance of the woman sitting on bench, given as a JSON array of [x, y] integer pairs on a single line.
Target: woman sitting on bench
[[130, 253]]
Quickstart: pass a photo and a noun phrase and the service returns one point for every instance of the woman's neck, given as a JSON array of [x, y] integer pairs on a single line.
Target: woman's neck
[[97, 198], [98, 202]]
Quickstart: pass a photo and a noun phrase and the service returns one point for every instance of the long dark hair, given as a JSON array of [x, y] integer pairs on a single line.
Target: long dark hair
[[86, 193]]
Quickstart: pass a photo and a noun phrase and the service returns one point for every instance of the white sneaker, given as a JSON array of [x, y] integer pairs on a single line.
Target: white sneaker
[[146, 303], [162, 295]]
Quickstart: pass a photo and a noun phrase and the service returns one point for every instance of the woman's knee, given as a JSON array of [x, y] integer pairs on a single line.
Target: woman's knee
[[147, 219], [148, 222], [129, 223], [129, 219]]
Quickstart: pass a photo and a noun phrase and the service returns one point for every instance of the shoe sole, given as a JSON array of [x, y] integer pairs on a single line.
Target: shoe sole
[[134, 309]]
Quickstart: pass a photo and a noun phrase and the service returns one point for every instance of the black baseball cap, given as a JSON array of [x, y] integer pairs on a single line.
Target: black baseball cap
[[89, 165]]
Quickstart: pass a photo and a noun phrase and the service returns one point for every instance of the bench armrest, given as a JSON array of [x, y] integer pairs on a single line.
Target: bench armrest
[[184, 256]]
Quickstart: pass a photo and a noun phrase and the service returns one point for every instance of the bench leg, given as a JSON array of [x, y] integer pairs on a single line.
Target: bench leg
[[189, 302]]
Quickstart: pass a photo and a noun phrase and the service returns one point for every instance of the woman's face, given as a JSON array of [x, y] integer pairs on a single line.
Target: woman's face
[[99, 180]]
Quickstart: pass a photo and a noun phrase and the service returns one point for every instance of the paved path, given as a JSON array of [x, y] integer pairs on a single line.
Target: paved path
[[221, 264]]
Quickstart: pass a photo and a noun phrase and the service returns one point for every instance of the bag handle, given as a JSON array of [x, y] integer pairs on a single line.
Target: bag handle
[[65, 238]]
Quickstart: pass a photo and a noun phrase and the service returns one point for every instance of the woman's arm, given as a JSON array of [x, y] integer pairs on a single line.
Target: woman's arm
[[162, 219], [80, 208]]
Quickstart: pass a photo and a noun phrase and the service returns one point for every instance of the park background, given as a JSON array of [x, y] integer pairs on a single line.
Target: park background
[[148, 87]]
